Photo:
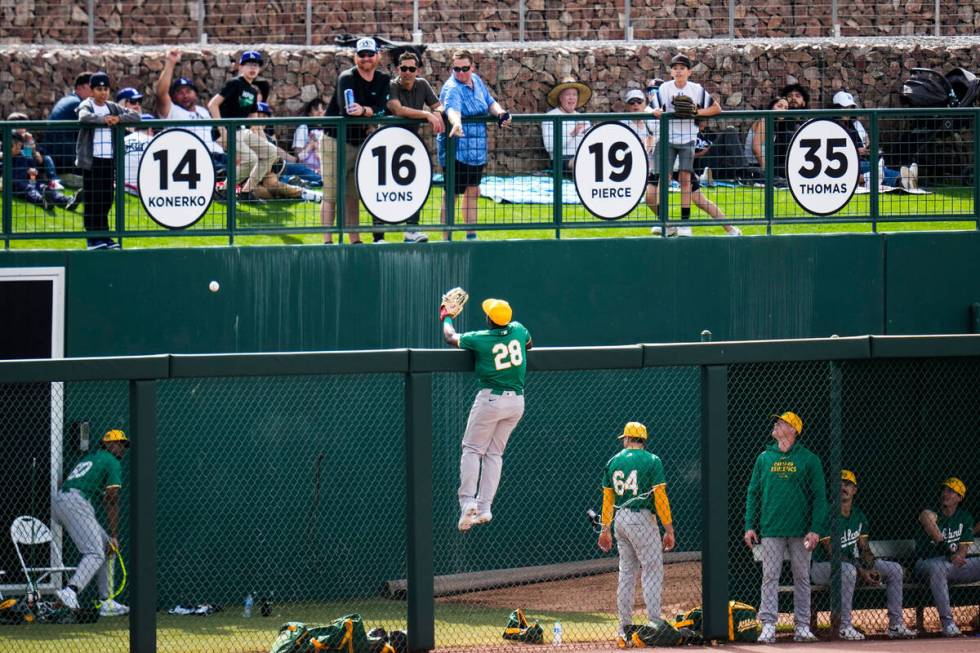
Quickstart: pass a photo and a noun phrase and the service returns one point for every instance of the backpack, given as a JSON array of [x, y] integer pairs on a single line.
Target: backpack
[[743, 622], [658, 633], [725, 157]]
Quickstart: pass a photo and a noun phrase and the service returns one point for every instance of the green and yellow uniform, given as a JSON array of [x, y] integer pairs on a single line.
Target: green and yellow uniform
[[93, 474], [501, 356], [956, 528], [852, 528], [790, 490]]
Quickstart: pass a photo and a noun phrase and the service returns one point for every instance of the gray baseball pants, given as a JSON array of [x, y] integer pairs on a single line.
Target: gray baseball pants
[[640, 549], [76, 515], [492, 419], [773, 551], [891, 576], [940, 573]]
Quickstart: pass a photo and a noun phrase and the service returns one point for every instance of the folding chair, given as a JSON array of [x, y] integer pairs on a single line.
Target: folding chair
[[30, 531]]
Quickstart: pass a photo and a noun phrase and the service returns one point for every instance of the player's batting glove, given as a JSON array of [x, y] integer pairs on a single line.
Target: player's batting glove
[[684, 107]]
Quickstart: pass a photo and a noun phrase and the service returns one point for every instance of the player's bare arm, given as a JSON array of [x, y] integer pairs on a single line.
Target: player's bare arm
[[928, 520], [112, 513], [449, 332]]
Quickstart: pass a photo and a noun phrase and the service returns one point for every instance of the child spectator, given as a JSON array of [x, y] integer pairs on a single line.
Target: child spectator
[[306, 140], [24, 179]]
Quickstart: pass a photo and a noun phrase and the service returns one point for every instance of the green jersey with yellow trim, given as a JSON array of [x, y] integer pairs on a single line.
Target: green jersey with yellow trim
[[501, 355], [956, 528], [786, 494], [632, 474], [852, 528], [94, 473]]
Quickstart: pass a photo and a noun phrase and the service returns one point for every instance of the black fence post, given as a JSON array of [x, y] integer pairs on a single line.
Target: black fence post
[[418, 515], [142, 516], [833, 505], [714, 495]]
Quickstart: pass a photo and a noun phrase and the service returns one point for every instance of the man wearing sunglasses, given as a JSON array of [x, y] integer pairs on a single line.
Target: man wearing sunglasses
[[410, 96], [369, 89]]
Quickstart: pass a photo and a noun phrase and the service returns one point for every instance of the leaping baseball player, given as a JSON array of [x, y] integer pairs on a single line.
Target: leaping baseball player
[[501, 363]]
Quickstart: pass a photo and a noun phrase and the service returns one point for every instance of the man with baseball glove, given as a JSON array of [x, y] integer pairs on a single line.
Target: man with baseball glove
[[501, 362], [787, 497]]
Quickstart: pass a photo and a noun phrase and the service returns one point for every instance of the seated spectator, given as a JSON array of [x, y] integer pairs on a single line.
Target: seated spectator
[[135, 144], [797, 98], [177, 99], [25, 183], [306, 141], [291, 171], [34, 152], [755, 139], [566, 98], [60, 143], [857, 132]]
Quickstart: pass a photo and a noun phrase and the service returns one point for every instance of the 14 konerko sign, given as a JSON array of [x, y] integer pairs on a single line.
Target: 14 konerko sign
[[176, 179]]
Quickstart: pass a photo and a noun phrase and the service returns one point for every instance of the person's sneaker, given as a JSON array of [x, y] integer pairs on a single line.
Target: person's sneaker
[[111, 244], [483, 518], [906, 177], [914, 171], [768, 634], [849, 633], [468, 516], [74, 201], [901, 632], [804, 635], [68, 598], [54, 184], [97, 244], [684, 232], [951, 630], [470, 236], [732, 230], [110, 608], [416, 237]]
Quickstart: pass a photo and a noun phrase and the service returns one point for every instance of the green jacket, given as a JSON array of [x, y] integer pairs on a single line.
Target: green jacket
[[790, 490]]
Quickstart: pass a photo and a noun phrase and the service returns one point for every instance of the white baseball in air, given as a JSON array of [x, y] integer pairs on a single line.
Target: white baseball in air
[[214, 286]]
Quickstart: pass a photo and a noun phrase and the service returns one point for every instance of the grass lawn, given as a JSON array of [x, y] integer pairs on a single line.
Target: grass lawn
[[508, 221]]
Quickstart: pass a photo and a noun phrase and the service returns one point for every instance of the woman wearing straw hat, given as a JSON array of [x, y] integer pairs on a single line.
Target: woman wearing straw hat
[[566, 98]]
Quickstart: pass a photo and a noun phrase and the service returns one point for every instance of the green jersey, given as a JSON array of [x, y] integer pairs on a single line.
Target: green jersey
[[852, 528], [632, 474], [790, 490], [956, 528], [94, 473], [501, 356]]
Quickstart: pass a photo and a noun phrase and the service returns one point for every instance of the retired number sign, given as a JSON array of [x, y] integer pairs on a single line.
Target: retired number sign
[[176, 179], [394, 174], [822, 167], [610, 170]]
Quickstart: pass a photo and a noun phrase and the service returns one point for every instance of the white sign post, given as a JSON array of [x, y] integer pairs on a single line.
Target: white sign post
[[176, 179], [394, 174], [822, 167], [610, 170]]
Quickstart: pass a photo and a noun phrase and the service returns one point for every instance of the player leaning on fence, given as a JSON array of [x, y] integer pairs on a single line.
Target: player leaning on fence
[[787, 499], [633, 483]]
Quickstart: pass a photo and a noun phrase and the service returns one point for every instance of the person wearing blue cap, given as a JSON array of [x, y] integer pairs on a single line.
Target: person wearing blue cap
[[130, 98], [178, 99], [237, 99], [93, 155]]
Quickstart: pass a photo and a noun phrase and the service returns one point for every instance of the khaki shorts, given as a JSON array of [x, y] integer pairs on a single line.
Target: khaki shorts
[[328, 161]]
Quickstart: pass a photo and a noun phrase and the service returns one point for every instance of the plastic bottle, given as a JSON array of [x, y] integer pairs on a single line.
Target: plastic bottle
[[556, 632], [249, 602]]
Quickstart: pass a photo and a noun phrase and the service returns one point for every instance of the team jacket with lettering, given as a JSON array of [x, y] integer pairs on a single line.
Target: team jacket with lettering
[[790, 490]]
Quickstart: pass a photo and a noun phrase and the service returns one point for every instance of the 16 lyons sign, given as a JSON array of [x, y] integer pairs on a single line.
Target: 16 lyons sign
[[822, 167], [394, 174]]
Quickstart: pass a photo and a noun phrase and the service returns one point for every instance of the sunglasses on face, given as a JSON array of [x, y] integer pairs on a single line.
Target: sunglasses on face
[[461, 69], [365, 55], [634, 101], [407, 69]]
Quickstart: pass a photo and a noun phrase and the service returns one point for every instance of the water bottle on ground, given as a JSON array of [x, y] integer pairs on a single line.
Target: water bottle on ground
[[556, 633], [249, 602]]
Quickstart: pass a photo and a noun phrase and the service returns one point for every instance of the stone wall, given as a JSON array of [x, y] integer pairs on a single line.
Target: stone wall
[[144, 22]]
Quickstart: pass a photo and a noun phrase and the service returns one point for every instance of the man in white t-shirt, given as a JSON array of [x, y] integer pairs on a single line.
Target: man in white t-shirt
[[135, 144], [177, 99], [566, 98]]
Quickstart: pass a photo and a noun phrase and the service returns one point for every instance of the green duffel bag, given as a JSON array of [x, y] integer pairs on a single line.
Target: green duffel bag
[[346, 634], [291, 638], [657, 633], [743, 622]]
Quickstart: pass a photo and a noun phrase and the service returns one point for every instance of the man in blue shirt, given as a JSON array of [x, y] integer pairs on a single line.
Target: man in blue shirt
[[463, 95], [60, 144]]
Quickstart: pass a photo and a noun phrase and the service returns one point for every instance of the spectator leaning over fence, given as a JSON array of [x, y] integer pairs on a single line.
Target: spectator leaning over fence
[[370, 92], [787, 502], [60, 144], [178, 99], [94, 156], [411, 96], [465, 94], [633, 487], [857, 561], [96, 475], [26, 186], [237, 99], [683, 133], [566, 98], [755, 139], [942, 545]]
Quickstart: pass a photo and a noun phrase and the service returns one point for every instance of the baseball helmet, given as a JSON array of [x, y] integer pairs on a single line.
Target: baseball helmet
[[792, 419], [634, 430], [250, 56], [498, 310], [115, 435], [956, 485]]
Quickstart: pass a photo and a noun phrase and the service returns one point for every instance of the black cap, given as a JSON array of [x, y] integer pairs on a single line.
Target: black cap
[[99, 79], [681, 59], [182, 81], [799, 88]]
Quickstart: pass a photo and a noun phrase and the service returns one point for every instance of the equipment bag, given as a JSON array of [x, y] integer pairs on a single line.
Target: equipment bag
[[519, 630], [15, 611], [743, 622], [657, 633], [344, 635]]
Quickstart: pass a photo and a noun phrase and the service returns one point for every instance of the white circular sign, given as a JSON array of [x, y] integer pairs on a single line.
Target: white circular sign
[[610, 170], [394, 174], [176, 178], [822, 167]]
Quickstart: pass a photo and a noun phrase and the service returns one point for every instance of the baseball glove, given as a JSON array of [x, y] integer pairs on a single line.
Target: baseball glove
[[452, 302], [684, 107]]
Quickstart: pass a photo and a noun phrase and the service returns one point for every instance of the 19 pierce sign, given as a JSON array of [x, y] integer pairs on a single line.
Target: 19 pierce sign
[[822, 167], [394, 174], [176, 179], [610, 170]]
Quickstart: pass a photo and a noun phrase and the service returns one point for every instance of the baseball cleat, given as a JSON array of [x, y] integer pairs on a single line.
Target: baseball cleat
[[804, 635], [110, 608], [901, 632], [483, 518], [951, 631], [468, 516], [68, 598], [768, 634], [851, 634]]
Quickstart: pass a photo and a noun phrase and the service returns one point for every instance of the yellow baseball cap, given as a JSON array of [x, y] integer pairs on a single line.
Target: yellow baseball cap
[[634, 430], [956, 485], [498, 311], [848, 475], [115, 435], [792, 419]]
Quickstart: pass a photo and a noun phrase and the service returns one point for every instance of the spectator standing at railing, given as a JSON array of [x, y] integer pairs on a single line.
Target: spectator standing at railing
[[369, 88], [94, 155], [787, 502], [60, 144], [464, 95], [411, 96], [567, 97], [237, 99], [178, 99], [942, 546]]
